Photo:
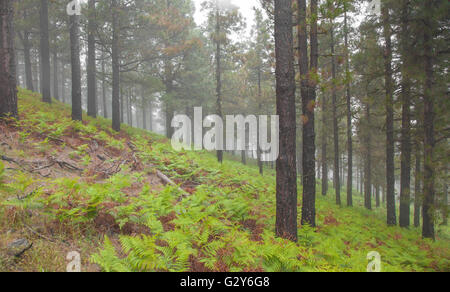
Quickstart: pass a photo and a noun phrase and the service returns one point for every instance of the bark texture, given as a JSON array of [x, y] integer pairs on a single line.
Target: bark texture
[[45, 53], [390, 174], [77, 113], [286, 213], [8, 90]]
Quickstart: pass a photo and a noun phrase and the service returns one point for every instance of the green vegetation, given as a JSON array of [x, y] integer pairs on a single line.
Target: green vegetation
[[124, 221]]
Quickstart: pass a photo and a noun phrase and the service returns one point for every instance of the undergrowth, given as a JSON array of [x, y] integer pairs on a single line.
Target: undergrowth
[[225, 224]]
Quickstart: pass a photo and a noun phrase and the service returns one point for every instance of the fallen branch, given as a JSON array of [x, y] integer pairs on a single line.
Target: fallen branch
[[132, 146], [45, 237], [43, 167], [26, 196], [55, 139], [7, 159], [117, 168], [64, 164], [167, 180], [38, 234]]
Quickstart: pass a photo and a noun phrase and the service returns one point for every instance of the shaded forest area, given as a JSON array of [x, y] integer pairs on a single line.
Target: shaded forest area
[[360, 88]]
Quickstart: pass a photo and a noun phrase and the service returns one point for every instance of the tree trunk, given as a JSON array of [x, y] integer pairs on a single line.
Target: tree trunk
[[8, 89], [130, 107], [417, 189], [55, 75], [169, 111], [116, 113], [91, 64], [36, 74], [16, 65], [144, 109], [308, 107], [63, 82], [445, 203], [336, 174], [324, 147], [258, 149], [361, 180], [377, 196], [45, 53], [76, 68], [368, 165], [218, 77], [105, 104], [243, 157], [286, 211], [429, 141], [122, 106], [390, 174], [405, 179], [27, 60], [150, 113]]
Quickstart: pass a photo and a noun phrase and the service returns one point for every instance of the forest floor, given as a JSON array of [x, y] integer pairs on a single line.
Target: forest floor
[[78, 186]]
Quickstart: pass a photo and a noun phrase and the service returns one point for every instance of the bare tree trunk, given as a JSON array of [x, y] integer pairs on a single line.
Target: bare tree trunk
[[308, 108], [150, 113], [122, 106], [258, 149], [368, 165], [324, 147], [27, 59], [36, 73], [218, 77], [429, 142], [243, 157], [63, 82], [361, 180], [169, 111], [91, 64], [76, 68], [8, 89], [105, 104], [144, 109], [16, 65], [390, 174], [45, 53], [336, 174], [377, 196], [130, 107], [445, 202], [405, 180], [127, 105], [286, 213], [417, 189], [55, 75], [116, 113]]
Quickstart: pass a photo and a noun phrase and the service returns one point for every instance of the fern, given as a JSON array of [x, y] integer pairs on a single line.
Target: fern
[[108, 260]]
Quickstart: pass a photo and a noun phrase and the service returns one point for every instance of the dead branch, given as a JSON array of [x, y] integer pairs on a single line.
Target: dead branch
[[167, 180], [64, 164], [38, 234], [43, 167]]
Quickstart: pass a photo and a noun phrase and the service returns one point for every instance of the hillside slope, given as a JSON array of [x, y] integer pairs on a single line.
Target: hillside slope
[[70, 186]]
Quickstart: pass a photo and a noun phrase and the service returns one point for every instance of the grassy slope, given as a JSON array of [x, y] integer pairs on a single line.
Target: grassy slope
[[126, 221]]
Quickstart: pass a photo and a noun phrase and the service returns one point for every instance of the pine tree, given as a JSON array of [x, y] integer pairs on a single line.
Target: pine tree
[[8, 91], [390, 167], [91, 64], [308, 108], [77, 113], [45, 53], [116, 113], [286, 213]]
